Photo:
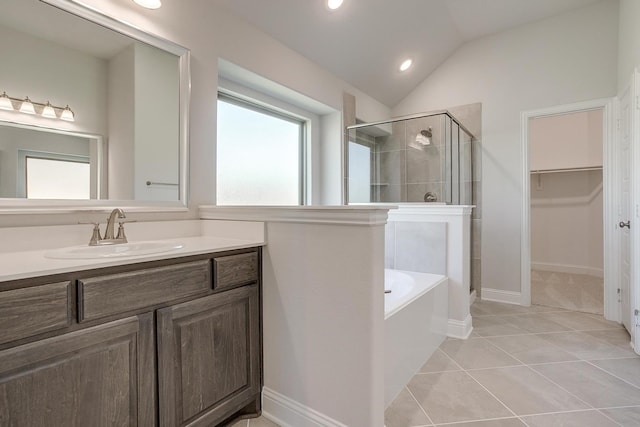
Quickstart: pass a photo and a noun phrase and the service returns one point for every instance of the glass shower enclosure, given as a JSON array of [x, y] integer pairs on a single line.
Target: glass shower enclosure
[[419, 158]]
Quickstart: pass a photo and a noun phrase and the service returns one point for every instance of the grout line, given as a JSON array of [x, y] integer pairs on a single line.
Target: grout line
[[548, 342], [450, 358], [523, 421], [419, 405], [454, 423], [569, 412], [494, 396], [609, 418], [505, 318], [561, 387], [550, 380], [611, 373]]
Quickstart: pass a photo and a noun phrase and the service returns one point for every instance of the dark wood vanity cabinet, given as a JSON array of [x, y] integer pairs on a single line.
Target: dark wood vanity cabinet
[[118, 352], [99, 376], [208, 357]]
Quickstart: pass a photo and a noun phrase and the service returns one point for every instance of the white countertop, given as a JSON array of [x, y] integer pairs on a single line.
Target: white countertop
[[24, 264]]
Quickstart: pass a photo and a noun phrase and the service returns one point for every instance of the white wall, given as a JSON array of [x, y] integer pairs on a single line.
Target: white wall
[[566, 222], [564, 59], [121, 105], [50, 72], [629, 41], [566, 141]]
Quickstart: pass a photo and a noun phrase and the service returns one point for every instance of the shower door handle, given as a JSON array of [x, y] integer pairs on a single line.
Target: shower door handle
[[625, 224]]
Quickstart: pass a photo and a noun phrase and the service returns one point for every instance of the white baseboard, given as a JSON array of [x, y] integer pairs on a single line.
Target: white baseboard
[[499, 295], [460, 329], [566, 268], [287, 412], [472, 297]]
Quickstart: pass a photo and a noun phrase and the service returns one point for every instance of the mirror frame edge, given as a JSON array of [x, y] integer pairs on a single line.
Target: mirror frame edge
[[78, 8]]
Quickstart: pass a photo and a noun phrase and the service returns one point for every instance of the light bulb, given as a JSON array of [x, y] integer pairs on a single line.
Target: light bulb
[[67, 114], [49, 112], [27, 106], [149, 4], [5, 102], [406, 64], [334, 4]]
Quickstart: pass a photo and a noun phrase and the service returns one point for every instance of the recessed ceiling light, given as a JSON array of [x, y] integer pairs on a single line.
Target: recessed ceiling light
[[334, 4], [406, 64], [149, 4]]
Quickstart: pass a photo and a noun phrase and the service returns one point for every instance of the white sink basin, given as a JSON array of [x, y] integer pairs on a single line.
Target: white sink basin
[[122, 250]]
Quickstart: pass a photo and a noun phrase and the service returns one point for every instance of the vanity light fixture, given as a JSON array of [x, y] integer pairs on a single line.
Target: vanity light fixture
[[5, 102], [49, 112], [406, 64], [334, 4], [27, 106], [149, 4], [67, 114]]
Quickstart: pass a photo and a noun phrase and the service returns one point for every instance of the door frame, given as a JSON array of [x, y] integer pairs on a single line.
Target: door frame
[[634, 286], [611, 304]]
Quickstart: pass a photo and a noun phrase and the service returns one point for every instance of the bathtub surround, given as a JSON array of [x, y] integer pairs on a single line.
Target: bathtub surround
[[420, 245], [323, 312], [416, 320]]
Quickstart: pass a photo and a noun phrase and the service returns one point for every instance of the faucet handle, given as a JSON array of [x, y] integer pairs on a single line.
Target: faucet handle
[[95, 236], [121, 234]]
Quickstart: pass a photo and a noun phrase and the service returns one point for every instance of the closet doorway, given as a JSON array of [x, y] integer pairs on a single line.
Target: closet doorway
[[566, 211], [568, 235]]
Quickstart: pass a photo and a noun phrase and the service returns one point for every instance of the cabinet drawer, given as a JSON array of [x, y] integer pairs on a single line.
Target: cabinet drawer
[[31, 311], [118, 293], [235, 270]]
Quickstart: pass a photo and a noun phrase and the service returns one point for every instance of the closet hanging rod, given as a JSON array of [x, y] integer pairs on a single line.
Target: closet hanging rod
[[541, 171], [149, 183]]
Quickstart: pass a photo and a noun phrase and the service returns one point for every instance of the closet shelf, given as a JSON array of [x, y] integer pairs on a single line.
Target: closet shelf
[[560, 170]]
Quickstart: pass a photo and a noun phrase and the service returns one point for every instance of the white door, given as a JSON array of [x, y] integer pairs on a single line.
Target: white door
[[624, 206]]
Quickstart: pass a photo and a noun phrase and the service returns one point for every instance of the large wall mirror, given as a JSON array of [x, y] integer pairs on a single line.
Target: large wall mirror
[[93, 112]]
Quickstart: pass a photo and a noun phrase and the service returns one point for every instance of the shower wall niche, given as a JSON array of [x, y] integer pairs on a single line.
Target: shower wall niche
[[420, 158]]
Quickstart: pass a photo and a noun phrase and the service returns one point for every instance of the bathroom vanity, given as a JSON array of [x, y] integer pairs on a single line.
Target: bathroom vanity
[[166, 342]]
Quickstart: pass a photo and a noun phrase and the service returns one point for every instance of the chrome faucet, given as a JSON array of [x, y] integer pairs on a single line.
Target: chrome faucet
[[109, 238], [108, 232]]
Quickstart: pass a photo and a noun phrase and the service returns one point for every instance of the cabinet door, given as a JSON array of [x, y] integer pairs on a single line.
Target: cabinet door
[[100, 376], [208, 357]]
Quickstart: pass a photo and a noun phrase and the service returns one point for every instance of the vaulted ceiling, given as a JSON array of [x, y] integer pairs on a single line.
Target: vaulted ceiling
[[365, 41]]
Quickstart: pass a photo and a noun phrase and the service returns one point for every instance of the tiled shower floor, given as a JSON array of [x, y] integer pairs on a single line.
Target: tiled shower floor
[[526, 366]]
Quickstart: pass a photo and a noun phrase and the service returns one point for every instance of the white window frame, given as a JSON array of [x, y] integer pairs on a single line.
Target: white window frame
[[21, 182], [309, 153]]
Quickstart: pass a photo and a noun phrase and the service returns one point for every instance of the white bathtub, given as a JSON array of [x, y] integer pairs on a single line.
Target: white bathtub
[[416, 317]]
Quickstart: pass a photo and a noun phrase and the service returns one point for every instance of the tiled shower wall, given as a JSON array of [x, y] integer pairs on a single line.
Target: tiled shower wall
[[406, 171], [470, 116]]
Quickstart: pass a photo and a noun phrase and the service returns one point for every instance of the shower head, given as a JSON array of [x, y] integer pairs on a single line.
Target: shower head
[[424, 137]]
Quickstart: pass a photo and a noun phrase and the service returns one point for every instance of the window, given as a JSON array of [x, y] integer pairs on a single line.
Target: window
[[260, 155], [57, 177], [359, 173]]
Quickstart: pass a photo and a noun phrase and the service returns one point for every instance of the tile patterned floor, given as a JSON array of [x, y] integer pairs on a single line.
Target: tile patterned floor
[[255, 422], [526, 366]]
